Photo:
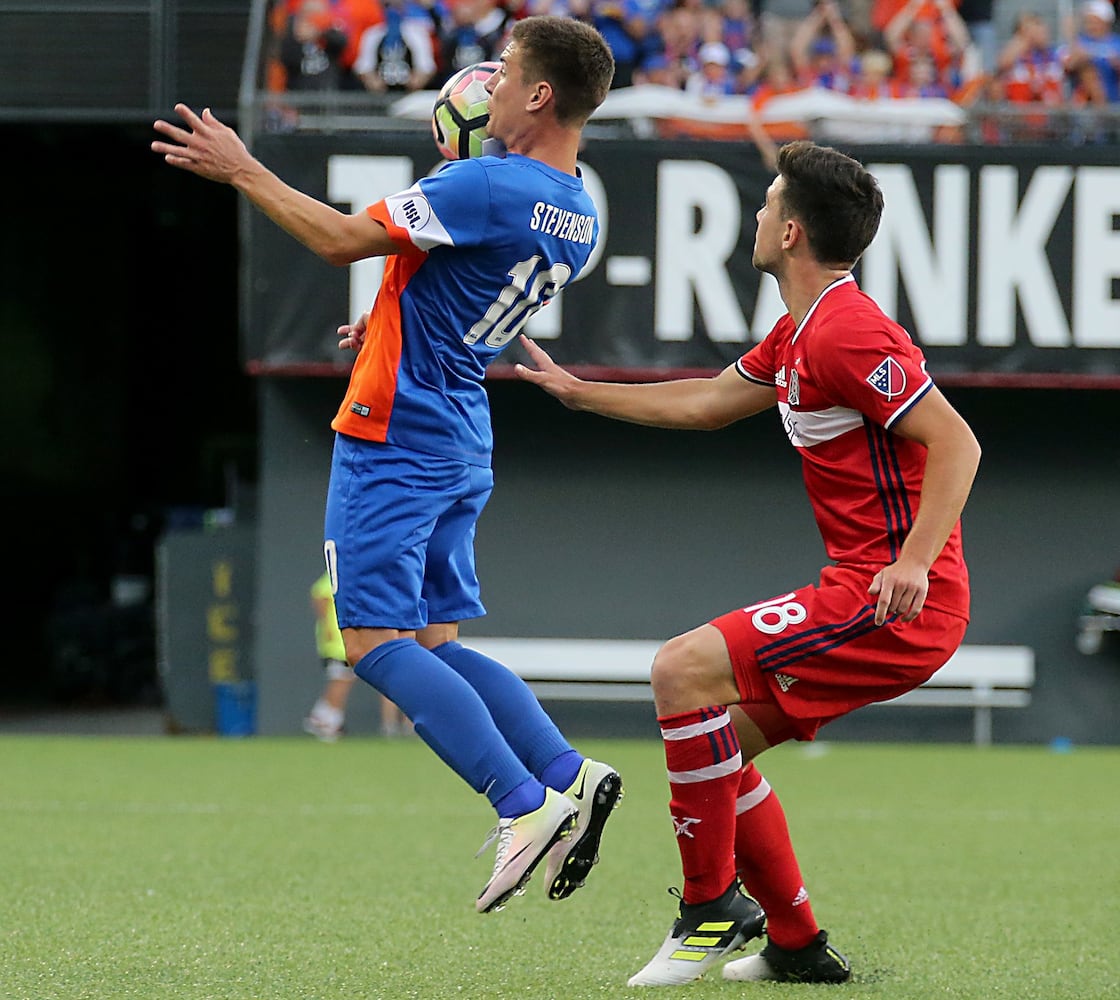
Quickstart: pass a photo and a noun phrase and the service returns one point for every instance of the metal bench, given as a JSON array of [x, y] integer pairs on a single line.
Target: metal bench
[[977, 677]]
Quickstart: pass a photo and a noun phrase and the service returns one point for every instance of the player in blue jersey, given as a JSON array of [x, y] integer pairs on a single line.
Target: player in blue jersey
[[472, 253]]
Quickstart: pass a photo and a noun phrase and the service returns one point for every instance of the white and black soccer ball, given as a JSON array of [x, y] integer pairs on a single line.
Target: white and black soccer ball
[[460, 115]]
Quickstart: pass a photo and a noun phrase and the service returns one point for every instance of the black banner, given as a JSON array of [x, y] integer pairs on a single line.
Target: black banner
[[1003, 263]]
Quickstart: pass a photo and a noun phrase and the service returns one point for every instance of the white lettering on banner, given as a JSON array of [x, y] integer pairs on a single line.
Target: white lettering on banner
[[1012, 256], [360, 181], [692, 259], [699, 223], [935, 272], [1096, 257], [545, 324]]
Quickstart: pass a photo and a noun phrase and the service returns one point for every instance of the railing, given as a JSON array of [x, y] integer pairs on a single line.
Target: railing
[[630, 113]]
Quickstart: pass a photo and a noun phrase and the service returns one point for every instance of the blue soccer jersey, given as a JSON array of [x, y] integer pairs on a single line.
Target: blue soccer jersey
[[487, 242]]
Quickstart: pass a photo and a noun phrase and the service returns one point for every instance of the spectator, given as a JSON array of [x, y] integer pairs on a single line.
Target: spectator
[[1028, 69], [823, 48], [873, 76], [977, 17], [715, 78], [346, 21], [631, 30], [1028, 72], [398, 54], [921, 80], [941, 37], [311, 48], [672, 58], [1091, 55], [327, 718], [777, 80], [738, 31], [779, 21], [579, 9], [732, 26], [472, 31]]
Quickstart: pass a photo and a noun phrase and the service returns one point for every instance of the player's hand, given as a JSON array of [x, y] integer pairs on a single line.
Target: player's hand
[[546, 373], [900, 589], [206, 147], [351, 336]]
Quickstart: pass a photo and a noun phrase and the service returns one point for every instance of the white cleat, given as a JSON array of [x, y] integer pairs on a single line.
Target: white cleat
[[595, 793], [523, 842]]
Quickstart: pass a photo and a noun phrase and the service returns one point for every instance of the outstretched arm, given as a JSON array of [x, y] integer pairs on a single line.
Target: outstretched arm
[[683, 404], [952, 458], [213, 150]]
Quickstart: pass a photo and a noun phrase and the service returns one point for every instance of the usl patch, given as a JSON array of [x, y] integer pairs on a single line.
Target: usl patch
[[889, 378], [414, 214]]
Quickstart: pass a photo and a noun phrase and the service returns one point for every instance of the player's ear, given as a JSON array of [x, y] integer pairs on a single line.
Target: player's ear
[[541, 96]]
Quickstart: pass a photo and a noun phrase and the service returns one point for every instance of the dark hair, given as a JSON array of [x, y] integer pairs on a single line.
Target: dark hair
[[570, 55], [835, 199]]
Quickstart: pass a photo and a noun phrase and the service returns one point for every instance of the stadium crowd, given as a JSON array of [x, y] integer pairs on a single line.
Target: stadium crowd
[[1039, 56]]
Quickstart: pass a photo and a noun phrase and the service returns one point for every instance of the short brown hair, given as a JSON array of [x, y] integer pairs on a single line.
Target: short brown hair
[[835, 199], [570, 55]]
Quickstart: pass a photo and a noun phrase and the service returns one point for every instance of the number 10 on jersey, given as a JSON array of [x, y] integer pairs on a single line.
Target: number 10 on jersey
[[529, 288]]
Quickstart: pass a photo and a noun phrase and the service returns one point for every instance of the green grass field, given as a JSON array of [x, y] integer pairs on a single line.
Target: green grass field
[[271, 869]]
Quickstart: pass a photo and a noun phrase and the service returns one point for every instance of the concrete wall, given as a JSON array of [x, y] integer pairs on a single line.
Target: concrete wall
[[601, 529]]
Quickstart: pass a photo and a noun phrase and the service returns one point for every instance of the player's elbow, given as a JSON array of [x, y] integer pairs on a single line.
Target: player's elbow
[[336, 257], [712, 421], [340, 251]]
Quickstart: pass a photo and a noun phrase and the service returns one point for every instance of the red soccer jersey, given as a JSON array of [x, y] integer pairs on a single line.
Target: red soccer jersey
[[844, 377]]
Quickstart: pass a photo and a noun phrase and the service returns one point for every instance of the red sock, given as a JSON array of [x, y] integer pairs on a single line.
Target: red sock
[[702, 754], [767, 865]]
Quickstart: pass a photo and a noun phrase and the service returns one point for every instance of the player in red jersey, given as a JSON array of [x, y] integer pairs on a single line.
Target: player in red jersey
[[888, 465]]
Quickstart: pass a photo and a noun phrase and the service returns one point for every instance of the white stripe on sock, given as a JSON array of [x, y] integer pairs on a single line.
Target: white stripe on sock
[[697, 728], [752, 799], [720, 770]]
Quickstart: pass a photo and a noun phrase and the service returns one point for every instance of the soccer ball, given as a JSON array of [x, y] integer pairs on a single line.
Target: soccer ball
[[459, 116]]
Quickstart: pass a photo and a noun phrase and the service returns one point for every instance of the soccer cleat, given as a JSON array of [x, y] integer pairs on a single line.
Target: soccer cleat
[[702, 935], [523, 842], [817, 962], [596, 791], [321, 729]]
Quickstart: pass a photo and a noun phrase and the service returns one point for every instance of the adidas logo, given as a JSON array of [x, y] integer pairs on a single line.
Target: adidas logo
[[785, 682], [801, 897]]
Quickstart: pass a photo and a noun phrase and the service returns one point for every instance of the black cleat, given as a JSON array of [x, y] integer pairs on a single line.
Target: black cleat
[[701, 936], [817, 962]]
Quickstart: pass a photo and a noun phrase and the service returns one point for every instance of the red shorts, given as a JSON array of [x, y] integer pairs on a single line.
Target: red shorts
[[815, 654]]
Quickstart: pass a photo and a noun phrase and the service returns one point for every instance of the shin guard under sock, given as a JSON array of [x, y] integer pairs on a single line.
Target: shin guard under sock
[[448, 716]]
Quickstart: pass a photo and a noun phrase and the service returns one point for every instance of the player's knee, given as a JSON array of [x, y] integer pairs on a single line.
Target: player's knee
[[679, 676]]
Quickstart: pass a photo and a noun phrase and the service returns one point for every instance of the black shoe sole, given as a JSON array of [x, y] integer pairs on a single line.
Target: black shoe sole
[[585, 852]]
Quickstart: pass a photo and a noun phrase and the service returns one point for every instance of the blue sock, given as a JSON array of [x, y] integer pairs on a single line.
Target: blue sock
[[451, 718], [526, 797], [528, 730], [561, 771]]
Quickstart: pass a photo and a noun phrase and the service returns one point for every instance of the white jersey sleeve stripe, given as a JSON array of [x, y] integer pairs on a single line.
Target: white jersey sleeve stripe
[[905, 407]]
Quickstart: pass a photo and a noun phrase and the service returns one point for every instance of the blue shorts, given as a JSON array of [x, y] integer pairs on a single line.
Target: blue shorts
[[399, 535]]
